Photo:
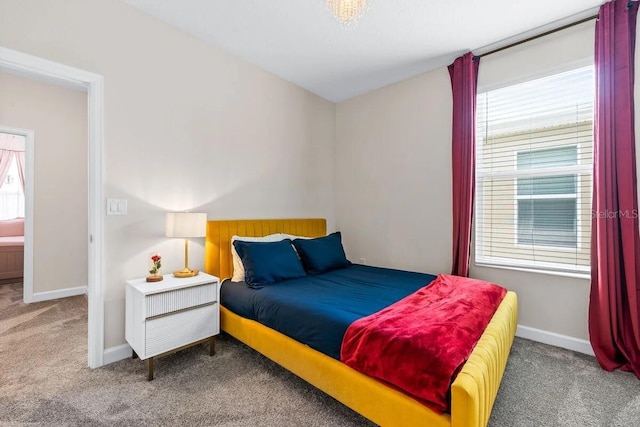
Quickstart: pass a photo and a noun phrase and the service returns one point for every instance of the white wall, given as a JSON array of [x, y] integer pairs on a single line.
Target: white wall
[[58, 117], [393, 178], [187, 126], [393, 174]]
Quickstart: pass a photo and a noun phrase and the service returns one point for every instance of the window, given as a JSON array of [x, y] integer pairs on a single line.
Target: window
[[547, 213], [534, 150], [11, 194], [11, 189]]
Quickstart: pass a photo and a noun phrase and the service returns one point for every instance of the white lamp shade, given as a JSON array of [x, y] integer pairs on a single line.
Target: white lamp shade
[[186, 224]]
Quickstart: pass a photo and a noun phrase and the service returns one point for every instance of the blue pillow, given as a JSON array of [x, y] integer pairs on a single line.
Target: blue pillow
[[322, 254], [268, 262]]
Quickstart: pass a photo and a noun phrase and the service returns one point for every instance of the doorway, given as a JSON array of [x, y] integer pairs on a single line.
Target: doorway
[[33, 67]]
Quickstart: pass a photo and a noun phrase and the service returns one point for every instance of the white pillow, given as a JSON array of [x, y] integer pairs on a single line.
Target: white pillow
[[238, 267], [294, 237]]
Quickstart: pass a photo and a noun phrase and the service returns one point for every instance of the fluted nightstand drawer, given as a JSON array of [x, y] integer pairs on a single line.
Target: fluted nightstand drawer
[[168, 332], [179, 299]]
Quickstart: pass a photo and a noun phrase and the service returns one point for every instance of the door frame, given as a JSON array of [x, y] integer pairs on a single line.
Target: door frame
[[33, 67]]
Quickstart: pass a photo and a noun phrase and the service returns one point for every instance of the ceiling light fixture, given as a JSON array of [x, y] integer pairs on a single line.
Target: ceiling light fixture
[[347, 11]]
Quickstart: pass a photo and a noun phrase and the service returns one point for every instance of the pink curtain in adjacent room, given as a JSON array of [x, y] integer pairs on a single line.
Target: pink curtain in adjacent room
[[614, 322], [5, 161], [20, 161], [464, 83]]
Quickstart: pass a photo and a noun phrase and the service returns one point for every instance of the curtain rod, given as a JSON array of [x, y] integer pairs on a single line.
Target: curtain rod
[[546, 33]]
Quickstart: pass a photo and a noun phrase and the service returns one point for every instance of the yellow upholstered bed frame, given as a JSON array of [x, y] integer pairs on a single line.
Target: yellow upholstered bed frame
[[473, 391]]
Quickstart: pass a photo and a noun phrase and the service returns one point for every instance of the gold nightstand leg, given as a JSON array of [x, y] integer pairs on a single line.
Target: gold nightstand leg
[[150, 369], [212, 346]]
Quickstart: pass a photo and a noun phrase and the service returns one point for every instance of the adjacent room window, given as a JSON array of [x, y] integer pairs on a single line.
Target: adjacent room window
[[12, 194], [533, 173], [12, 165]]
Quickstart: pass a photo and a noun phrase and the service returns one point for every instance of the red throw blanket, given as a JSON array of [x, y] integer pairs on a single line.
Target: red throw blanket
[[419, 343]]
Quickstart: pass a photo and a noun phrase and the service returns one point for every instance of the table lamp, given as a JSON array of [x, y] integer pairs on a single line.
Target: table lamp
[[186, 225]]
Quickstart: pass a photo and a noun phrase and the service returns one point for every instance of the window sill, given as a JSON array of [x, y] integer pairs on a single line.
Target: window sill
[[583, 276]]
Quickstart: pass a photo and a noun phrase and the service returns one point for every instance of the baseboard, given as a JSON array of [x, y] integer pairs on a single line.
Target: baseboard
[[557, 340], [62, 293], [114, 354]]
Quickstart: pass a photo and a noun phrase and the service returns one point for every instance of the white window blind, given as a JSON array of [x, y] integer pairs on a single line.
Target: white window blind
[[534, 155]]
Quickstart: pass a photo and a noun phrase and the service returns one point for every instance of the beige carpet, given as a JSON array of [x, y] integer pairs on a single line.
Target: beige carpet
[[44, 381]]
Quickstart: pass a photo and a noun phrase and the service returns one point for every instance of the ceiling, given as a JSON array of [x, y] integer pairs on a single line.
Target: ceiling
[[301, 42]]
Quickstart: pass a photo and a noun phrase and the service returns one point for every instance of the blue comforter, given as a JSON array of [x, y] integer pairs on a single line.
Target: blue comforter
[[317, 310]]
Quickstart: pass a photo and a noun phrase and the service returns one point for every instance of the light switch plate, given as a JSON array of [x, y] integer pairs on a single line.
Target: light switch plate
[[116, 206]]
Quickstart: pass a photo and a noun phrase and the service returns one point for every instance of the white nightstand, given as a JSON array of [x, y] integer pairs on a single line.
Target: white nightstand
[[168, 316]]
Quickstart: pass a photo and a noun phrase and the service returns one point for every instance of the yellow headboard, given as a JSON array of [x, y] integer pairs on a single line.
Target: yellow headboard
[[217, 247]]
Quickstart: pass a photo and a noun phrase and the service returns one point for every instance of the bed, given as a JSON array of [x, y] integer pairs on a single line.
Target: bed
[[472, 393], [12, 248]]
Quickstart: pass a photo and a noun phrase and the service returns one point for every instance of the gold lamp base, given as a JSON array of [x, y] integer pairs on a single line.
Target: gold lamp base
[[186, 272]]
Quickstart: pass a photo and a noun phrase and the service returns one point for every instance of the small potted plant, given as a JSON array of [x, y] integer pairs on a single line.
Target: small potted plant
[[155, 268]]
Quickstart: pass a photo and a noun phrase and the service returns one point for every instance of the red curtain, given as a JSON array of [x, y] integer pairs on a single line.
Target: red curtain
[[464, 82], [20, 160], [614, 322]]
